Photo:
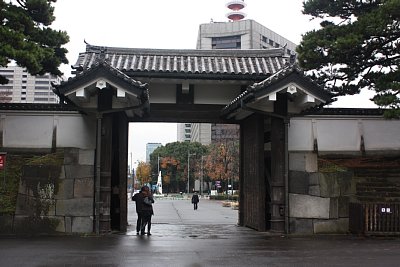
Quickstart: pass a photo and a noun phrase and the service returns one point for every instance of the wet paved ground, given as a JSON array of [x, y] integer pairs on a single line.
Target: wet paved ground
[[206, 237]]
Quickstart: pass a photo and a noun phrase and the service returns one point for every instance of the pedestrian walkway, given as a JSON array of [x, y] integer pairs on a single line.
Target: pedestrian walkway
[[202, 238]]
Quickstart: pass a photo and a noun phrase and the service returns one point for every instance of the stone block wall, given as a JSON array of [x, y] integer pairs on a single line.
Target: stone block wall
[[75, 198], [55, 198], [318, 197]]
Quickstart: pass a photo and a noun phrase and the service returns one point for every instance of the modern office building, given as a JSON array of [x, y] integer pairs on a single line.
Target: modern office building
[[241, 34], [150, 147], [201, 132], [184, 132], [25, 88], [237, 33]]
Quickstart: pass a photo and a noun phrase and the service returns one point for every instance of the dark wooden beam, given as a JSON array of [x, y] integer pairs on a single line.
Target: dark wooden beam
[[182, 113]]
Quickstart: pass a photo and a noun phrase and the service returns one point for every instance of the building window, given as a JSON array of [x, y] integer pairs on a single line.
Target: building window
[[227, 42], [42, 82], [42, 88], [41, 93], [264, 39], [4, 71], [41, 99], [271, 42]]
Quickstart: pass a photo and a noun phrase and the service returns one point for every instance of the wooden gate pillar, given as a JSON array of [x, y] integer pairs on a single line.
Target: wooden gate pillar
[[113, 173], [119, 208], [105, 174], [278, 165], [252, 210]]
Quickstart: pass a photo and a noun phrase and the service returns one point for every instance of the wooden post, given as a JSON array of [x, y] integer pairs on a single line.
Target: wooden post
[[278, 165]]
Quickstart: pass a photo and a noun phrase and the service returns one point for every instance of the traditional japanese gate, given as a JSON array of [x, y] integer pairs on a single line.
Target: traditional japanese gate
[[258, 89]]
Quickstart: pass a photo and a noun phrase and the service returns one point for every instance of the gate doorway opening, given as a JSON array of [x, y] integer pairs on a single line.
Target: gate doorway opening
[[156, 158]]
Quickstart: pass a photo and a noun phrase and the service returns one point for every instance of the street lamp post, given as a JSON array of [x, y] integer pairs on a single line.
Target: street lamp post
[[188, 171]]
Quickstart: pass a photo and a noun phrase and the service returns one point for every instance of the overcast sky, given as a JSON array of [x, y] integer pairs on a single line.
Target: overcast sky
[[171, 24]]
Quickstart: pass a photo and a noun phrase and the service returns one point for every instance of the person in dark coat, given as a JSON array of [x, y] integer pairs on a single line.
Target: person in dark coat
[[138, 198], [195, 200], [147, 210]]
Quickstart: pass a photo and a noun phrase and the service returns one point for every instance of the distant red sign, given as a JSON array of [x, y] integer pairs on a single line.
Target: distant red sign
[[2, 161]]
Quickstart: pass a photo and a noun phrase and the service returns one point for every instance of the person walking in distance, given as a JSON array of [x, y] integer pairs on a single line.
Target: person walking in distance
[[195, 200], [138, 198], [147, 210]]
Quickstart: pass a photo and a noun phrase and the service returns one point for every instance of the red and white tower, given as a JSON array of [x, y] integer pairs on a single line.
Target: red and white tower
[[236, 6]]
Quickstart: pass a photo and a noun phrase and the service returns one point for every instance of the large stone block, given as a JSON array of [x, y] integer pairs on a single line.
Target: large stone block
[[65, 189], [68, 224], [40, 173], [25, 205], [298, 182], [329, 185], [345, 182], [307, 162], [61, 225], [35, 225], [314, 190], [86, 157], [79, 171], [34, 206], [301, 226], [82, 225], [84, 188], [6, 224], [339, 226], [74, 207], [313, 178], [343, 208], [71, 156], [305, 206], [334, 208]]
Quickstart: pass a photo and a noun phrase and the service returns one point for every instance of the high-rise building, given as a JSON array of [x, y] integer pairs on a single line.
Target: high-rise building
[[150, 147], [201, 132], [184, 132], [242, 34], [239, 34], [25, 88]]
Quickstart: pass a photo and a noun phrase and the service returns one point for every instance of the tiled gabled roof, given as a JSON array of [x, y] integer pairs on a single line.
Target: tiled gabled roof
[[260, 62], [97, 67], [290, 73]]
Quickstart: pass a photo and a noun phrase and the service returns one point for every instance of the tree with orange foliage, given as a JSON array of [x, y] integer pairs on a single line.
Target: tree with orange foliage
[[169, 166], [222, 163], [143, 172], [173, 164]]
